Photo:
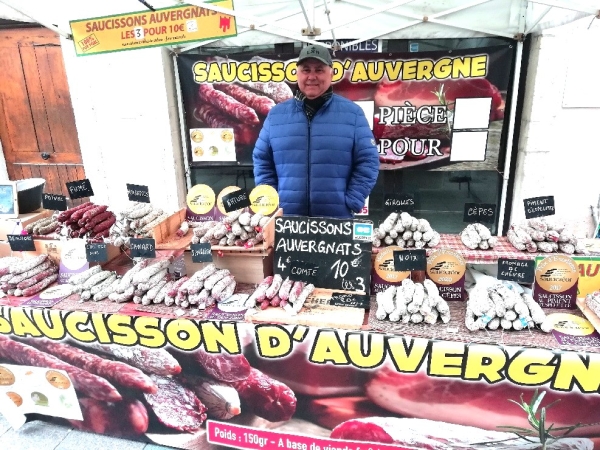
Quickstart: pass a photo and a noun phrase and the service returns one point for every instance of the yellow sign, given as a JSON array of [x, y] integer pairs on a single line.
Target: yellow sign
[[384, 266], [571, 324], [201, 199], [166, 26], [556, 273], [589, 275], [264, 199]]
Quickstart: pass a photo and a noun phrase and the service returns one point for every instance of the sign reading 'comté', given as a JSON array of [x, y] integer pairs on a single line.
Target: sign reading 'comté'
[[340, 251]]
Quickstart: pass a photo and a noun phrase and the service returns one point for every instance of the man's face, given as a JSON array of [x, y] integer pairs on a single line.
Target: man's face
[[314, 77]]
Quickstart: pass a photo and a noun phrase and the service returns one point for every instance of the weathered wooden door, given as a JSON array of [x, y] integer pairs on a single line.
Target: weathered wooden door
[[37, 125]]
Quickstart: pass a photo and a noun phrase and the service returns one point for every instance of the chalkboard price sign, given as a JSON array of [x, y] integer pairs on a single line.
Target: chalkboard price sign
[[539, 207], [407, 260], [519, 270], [138, 193], [398, 203], [201, 252], [142, 248], [96, 252], [54, 201], [340, 248], [479, 212], [21, 243], [349, 300], [80, 189], [304, 271], [236, 200]]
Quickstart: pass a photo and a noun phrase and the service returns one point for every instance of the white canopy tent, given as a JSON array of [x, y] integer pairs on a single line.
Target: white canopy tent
[[263, 22], [277, 21]]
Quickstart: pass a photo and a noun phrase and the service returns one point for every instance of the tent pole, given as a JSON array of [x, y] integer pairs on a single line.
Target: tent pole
[[54, 28], [286, 33], [256, 27], [184, 138], [511, 134], [310, 28]]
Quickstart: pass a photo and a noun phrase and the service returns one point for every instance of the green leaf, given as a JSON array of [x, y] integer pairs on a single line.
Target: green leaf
[[536, 400]]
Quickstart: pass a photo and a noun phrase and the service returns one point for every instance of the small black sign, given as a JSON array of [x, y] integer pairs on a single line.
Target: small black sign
[[21, 243], [142, 248], [519, 270], [236, 200], [349, 300], [304, 271], [479, 212], [54, 201], [539, 207], [398, 203], [201, 252], [80, 189], [407, 260], [138, 193], [96, 252]]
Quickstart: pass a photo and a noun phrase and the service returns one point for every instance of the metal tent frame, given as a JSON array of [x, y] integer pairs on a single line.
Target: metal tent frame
[[265, 21]]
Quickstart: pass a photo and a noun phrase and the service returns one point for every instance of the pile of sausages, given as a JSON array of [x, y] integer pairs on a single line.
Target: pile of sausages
[[26, 277], [205, 287], [287, 294], [501, 306], [544, 235], [136, 221], [405, 231], [87, 220], [121, 389], [240, 229], [477, 236], [43, 227], [412, 303]]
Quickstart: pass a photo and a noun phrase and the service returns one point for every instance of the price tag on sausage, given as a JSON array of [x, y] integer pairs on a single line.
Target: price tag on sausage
[[21, 243], [96, 252], [519, 270], [539, 207], [304, 271], [142, 248], [399, 203], [349, 300], [54, 201], [138, 193], [479, 212], [236, 200], [408, 260], [201, 252], [80, 189]]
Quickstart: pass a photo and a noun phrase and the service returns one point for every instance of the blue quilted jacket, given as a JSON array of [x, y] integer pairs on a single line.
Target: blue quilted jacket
[[325, 168]]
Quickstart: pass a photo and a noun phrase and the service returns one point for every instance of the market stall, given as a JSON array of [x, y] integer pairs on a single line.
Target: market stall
[[225, 322]]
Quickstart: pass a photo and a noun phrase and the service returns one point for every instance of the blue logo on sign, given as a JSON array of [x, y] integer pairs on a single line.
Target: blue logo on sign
[[363, 229]]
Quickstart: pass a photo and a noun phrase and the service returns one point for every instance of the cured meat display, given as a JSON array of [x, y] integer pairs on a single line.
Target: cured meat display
[[477, 404], [426, 434]]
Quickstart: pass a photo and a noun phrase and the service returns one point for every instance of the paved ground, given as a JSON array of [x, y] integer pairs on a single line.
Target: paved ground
[[38, 435]]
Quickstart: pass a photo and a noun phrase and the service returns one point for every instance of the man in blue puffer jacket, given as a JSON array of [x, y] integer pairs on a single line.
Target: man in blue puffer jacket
[[317, 149]]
